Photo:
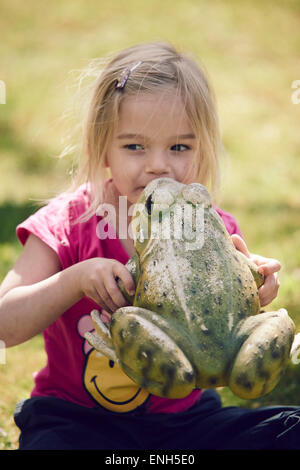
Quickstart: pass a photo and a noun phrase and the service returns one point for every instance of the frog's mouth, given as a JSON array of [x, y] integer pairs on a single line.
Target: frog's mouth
[[94, 381]]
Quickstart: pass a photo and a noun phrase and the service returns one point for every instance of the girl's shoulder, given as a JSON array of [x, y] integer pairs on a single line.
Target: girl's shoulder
[[56, 221], [72, 203], [67, 208]]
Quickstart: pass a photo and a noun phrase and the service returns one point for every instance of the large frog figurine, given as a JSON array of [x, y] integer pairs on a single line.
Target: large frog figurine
[[195, 318]]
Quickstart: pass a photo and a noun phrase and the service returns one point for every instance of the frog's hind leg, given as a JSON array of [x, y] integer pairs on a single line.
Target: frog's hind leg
[[148, 355], [263, 354]]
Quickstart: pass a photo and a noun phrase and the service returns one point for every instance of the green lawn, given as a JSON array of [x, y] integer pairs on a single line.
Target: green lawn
[[251, 50]]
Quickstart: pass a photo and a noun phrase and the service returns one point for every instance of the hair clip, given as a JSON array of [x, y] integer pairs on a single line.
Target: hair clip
[[125, 75]]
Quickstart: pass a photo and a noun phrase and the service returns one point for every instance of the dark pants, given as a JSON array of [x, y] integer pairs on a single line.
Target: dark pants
[[52, 423]]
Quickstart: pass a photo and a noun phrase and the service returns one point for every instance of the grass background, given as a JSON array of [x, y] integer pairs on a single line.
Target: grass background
[[251, 50]]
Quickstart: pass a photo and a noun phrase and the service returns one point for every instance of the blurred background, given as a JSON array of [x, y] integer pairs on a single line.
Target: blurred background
[[251, 51]]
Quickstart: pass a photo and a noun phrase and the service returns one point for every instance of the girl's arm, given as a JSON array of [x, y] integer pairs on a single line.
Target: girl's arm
[[36, 292]]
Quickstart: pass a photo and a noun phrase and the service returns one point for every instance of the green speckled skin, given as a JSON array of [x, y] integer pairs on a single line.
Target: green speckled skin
[[195, 319]]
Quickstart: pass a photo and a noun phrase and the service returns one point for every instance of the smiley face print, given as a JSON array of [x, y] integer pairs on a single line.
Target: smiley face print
[[105, 381]]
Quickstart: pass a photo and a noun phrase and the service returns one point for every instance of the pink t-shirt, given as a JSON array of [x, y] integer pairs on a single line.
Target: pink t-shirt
[[74, 370]]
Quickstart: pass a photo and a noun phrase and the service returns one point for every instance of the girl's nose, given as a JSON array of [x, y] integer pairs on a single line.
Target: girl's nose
[[157, 163]]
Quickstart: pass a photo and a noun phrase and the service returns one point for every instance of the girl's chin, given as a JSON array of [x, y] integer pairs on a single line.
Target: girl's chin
[[136, 194]]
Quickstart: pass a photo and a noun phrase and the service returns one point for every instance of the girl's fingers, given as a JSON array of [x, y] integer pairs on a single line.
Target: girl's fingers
[[99, 297], [113, 294], [122, 272], [101, 283], [105, 316], [105, 299], [240, 245], [267, 267], [269, 290]]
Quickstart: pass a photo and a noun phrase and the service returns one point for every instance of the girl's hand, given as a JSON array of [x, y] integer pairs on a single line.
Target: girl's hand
[[268, 267], [97, 280]]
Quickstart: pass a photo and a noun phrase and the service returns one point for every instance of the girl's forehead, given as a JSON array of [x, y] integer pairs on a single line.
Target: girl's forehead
[[160, 111], [157, 102]]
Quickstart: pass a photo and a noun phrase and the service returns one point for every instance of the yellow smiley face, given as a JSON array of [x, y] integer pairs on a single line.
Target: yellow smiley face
[[109, 386]]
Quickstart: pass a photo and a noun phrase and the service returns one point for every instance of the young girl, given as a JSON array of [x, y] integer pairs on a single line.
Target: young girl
[[151, 115]]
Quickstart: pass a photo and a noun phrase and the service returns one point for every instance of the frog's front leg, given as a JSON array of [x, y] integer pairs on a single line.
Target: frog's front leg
[[265, 346], [148, 355], [101, 339]]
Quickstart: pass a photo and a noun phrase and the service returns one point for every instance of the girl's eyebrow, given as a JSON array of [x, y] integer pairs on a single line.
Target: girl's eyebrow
[[139, 136], [130, 136], [184, 136]]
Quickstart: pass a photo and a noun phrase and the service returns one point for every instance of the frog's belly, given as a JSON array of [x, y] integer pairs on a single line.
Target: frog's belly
[[213, 321], [212, 356], [207, 345], [200, 310]]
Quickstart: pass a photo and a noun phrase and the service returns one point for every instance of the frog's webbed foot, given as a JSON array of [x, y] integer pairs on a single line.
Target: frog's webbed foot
[[263, 355], [101, 339], [148, 355]]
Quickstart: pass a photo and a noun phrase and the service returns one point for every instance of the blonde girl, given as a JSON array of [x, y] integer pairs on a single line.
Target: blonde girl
[[151, 114]]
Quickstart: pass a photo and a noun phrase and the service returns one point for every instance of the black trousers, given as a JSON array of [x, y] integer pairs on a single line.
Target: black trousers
[[52, 423]]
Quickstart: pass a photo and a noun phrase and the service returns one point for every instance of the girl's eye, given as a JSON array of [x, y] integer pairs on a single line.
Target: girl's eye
[[134, 147], [180, 148]]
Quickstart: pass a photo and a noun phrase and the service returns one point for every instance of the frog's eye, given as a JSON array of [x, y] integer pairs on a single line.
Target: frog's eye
[[148, 204], [159, 200], [196, 193]]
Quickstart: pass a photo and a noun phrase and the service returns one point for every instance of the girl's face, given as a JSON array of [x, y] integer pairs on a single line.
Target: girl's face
[[152, 139]]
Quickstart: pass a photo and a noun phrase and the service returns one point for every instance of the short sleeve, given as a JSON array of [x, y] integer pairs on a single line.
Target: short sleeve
[[45, 225], [55, 224]]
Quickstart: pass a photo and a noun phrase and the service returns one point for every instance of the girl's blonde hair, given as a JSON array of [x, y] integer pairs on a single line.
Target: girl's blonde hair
[[160, 68]]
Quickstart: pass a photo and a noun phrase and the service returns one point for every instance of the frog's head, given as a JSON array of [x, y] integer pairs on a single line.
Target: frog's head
[[163, 208]]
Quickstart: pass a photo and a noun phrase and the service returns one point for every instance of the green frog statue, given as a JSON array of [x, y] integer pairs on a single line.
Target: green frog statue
[[195, 320]]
